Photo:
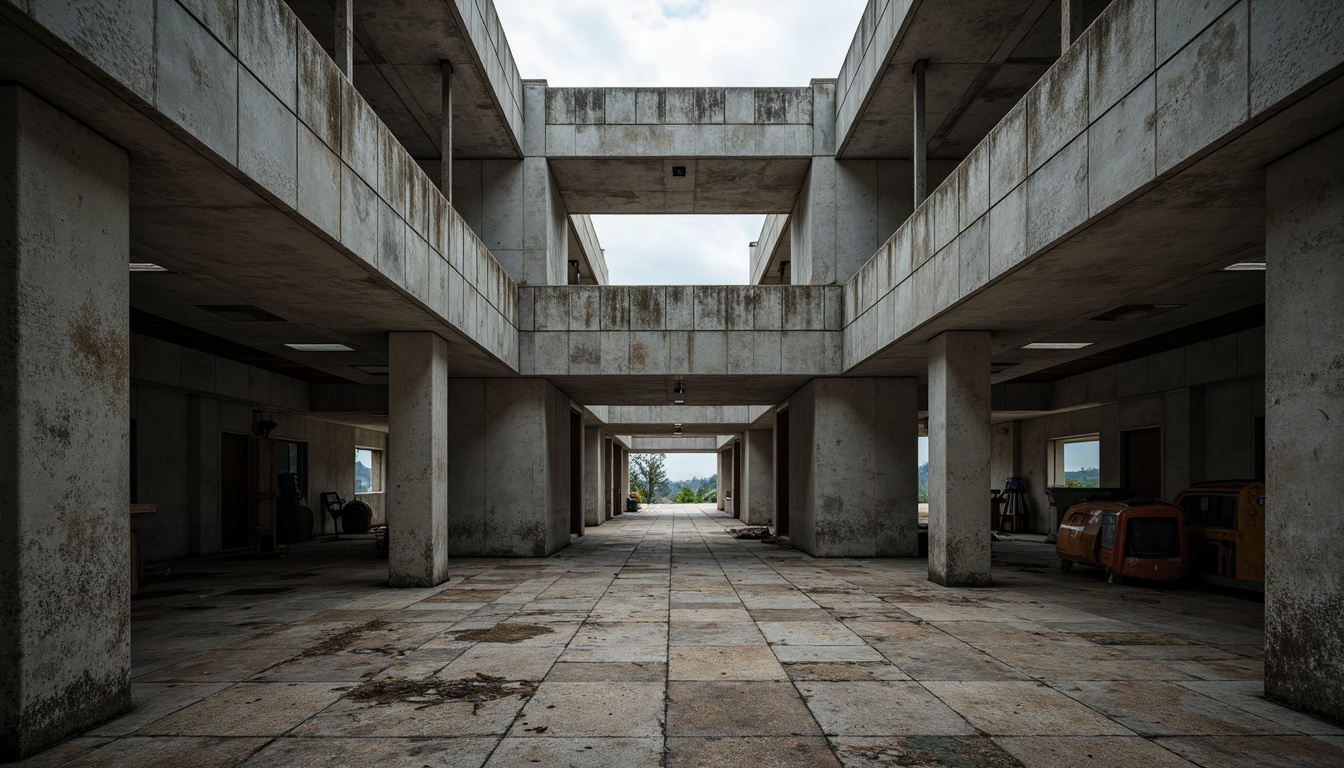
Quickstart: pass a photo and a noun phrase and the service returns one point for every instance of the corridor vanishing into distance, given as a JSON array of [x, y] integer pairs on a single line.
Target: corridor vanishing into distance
[[659, 639]]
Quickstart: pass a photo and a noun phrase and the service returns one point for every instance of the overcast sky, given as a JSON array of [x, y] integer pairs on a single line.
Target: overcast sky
[[679, 43]]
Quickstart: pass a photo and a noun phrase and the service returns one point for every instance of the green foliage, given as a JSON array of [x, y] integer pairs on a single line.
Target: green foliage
[[686, 495], [1076, 482], [647, 475]]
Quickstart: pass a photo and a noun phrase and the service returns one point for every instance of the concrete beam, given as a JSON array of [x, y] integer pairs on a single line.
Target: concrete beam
[[64, 416]]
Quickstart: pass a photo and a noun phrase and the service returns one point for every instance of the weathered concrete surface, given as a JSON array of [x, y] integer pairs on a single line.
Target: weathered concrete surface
[[673, 444], [853, 486], [64, 461], [959, 455], [594, 498], [744, 150], [1304, 389], [762, 336], [758, 476], [727, 478], [585, 248], [509, 454], [1113, 156], [417, 460], [239, 122]]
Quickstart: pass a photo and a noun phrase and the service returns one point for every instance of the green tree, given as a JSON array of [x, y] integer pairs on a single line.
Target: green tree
[[686, 495], [647, 475]]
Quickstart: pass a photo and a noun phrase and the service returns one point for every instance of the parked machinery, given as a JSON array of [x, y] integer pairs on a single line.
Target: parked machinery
[[1138, 538], [1226, 521]]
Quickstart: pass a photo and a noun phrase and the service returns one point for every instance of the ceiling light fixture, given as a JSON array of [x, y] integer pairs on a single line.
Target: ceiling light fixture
[[146, 266], [320, 348], [1245, 266], [678, 402], [1059, 345]]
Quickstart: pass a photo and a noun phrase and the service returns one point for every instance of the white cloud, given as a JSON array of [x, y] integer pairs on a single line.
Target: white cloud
[[679, 43], [680, 249]]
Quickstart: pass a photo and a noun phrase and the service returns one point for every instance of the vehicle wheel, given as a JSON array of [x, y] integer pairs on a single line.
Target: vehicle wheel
[[1065, 565]]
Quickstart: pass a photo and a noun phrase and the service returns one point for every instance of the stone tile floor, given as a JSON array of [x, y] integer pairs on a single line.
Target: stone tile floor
[[658, 639]]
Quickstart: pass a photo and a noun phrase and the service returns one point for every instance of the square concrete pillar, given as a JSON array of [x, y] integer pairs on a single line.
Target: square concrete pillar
[[594, 498], [1304, 428], [728, 481], [758, 469], [509, 464], [417, 460], [853, 468], [959, 452], [65, 640], [722, 480]]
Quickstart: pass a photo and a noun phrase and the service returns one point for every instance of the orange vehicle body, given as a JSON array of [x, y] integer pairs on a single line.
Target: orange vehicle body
[[1226, 521], [1140, 539]]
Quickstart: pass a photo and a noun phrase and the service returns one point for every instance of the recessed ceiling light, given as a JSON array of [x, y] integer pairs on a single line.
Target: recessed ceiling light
[[320, 348], [146, 266], [678, 402], [1245, 266], [1059, 345]]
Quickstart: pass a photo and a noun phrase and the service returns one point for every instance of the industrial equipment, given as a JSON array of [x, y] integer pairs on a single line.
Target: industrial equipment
[[1226, 521], [1138, 538]]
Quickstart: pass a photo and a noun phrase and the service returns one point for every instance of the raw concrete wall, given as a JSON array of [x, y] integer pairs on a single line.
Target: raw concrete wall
[[514, 207], [853, 482], [508, 476], [758, 476], [1304, 332], [64, 467]]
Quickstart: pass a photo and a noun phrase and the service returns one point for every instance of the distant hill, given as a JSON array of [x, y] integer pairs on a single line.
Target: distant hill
[[1093, 473], [694, 483]]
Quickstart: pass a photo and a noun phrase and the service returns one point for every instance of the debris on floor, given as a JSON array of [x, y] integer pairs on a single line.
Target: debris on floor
[[431, 693], [502, 633], [751, 532], [341, 640]]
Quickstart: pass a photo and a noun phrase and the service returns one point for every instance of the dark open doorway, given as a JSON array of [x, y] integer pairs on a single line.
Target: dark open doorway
[[1143, 461]]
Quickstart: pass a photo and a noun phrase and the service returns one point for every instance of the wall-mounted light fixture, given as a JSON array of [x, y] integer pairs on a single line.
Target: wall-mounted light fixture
[[262, 427]]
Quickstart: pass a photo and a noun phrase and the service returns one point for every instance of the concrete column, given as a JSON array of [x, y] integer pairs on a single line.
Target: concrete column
[[729, 481], [594, 498], [445, 130], [722, 483], [625, 476], [510, 460], [959, 451], [853, 474], [920, 151], [1304, 440], [65, 653], [417, 459], [758, 486], [613, 500], [345, 36]]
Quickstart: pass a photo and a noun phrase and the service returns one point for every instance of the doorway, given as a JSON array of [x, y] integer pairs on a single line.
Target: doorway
[[1142, 461], [233, 491], [782, 473]]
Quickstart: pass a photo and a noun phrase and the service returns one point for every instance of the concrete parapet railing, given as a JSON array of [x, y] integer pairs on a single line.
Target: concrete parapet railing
[[619, 330], [1147, 90], [247, 86]]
